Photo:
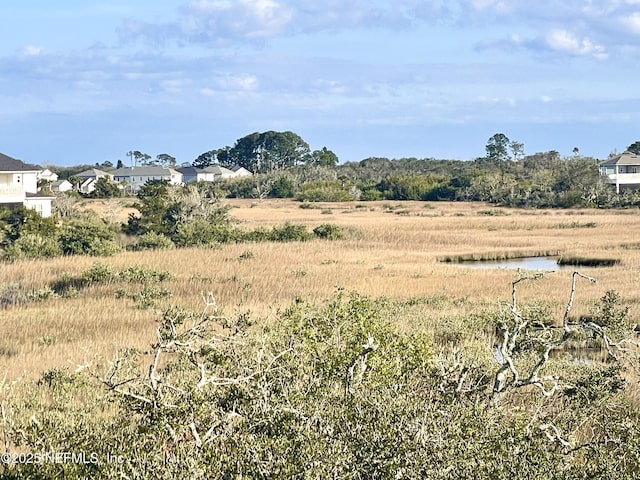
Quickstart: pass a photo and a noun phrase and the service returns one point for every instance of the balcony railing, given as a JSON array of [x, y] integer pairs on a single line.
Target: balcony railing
[[624, 177], [11, 193]]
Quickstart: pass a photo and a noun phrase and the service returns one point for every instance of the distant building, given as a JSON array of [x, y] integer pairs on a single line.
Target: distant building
[[47, 175], [60, 186], [19, 186], [90, 177], [136, 177], [211, 173], [622, 170]]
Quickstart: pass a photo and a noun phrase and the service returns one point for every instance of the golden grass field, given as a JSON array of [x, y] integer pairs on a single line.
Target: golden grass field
[[392, 249]]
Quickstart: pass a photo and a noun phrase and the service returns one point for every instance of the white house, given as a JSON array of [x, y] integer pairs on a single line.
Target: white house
[[622, 170], [136, 177], [211, 173], [19, 186], [219, 172], [90, 177], [47, 175], [240, 171], [193, 174], [61, 186]]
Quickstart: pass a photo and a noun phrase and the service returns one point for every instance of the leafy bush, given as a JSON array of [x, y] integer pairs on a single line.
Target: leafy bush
[[23, 221], [102, 273], [85, 237], [147, 297], [152, 241], [325, 191], [289, 232], [140, 274], [282, 188], [329, 231], [17, 294], [200, 233], [105, 188], [31, 245], [326, 391]]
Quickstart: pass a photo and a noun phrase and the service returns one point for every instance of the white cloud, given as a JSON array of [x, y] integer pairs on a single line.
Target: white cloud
[[214, 20], [237, 82], [567, 42], [632, 22], [31, 51]]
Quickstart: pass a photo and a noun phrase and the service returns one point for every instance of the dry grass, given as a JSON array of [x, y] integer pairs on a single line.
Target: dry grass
[[393, 249]]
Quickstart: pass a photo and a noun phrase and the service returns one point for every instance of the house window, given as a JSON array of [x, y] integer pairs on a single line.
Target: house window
[[633, 170]]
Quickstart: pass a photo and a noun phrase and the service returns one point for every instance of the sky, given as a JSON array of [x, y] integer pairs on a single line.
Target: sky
[[86, 81]]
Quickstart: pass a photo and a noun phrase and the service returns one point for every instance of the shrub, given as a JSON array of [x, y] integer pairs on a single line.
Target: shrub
[[152, 241], [146, 297], [325, 191], [140, 274], [329, 231], [17, 294], [22, 221], [289, 232], [84, 237], [101, 273], [282, 188], [105, 188], [200, 233], [259, 234], [32, 245]]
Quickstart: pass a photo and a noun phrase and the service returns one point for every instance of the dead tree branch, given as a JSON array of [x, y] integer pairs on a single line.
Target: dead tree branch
[[361, 360]]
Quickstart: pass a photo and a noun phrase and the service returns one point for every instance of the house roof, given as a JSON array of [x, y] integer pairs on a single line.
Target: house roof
[[191, 170], [8, 164], [93, 172], [218, 170], [237, 167], [57, 183], [149, 171], [625, 158]]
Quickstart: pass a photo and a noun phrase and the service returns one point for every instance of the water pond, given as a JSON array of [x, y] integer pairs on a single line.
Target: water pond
[[547, 264]]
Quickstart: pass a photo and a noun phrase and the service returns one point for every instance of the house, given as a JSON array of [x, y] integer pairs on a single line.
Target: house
[[622, 170], [47, 175], [240, 171], [193, 174], [136, 177], [89, 179], [219, 172], [19, 186], [211, 173], [61, 186]]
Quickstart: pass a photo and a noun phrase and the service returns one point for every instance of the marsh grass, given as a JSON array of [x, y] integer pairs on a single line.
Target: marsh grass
[[257, 279]]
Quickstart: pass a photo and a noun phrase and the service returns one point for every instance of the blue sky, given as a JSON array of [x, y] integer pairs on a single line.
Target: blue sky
[[85, 81]]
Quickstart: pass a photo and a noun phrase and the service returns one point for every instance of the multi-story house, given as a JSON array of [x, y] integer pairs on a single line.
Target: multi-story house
[[19, 186]]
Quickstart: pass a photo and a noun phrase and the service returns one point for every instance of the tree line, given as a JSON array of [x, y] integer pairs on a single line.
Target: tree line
[[285, 166]]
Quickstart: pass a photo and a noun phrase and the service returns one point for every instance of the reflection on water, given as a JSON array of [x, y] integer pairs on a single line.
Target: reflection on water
[[526, 263]]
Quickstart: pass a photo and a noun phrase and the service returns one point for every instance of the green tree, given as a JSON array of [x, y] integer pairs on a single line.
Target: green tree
[[22, 221], [212, 157], [634, 147], [76, 181], [105, 188], [497, 148], [323, 158], [517, 150], [166, 160], [269, 151], [139, 157]]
